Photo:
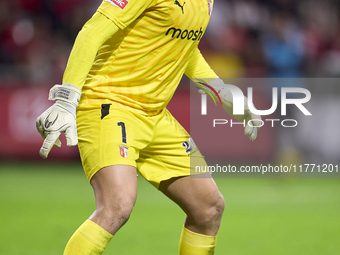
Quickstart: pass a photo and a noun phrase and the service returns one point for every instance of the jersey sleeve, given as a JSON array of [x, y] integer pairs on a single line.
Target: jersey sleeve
[[85, 48], [124, 12], [198, 70]]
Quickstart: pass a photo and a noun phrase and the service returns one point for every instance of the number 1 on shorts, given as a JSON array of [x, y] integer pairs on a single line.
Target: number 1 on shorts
[[122, 125]]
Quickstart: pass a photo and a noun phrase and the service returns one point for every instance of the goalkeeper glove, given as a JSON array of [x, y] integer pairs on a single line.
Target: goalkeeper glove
[[59, 118], [252, 121]]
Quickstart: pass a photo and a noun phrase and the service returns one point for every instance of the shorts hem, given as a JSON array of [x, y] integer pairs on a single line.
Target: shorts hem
[[99, 167]]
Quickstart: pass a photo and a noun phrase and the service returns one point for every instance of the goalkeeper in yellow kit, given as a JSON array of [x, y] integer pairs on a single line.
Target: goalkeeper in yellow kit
[[125, 65]]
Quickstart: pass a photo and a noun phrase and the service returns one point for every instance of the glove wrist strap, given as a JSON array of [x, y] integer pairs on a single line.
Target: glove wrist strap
[[66, 92], [67, 106]]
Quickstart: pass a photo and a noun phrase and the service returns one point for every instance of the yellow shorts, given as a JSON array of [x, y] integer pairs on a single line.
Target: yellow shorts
[[158, 146]]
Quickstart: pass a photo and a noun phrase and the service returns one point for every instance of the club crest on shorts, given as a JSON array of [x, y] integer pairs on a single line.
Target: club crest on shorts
[[124, 151], [210, 6], [190, 146]]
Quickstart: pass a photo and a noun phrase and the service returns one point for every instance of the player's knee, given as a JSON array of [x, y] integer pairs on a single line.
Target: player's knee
[[117, 212], [217, 208], [220, 205], [211, 212], [121, 211]]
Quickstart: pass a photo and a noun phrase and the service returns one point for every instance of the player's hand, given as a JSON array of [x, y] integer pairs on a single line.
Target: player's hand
[[252, 121], [59, 118]]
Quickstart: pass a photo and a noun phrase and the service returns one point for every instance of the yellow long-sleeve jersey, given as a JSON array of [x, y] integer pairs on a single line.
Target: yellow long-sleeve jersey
[[141, 65]]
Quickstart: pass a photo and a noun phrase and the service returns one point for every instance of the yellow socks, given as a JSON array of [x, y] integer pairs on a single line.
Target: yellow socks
[[89, 239], [192, 243]]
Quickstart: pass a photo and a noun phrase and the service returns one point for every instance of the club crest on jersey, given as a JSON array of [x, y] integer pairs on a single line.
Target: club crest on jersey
[[118, 3], [190, 146], [124, 151], [210, 6]]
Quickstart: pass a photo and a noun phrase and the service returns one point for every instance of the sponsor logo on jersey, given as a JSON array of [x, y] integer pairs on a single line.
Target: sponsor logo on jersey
[[210, 6], [179, 5], [124, 151], [185, 34], [118, 3]]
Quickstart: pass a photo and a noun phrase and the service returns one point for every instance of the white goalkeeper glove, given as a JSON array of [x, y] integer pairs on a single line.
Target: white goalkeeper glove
[[252, 121], [59, 118]]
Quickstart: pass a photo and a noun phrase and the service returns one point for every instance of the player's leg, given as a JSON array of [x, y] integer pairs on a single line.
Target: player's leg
[[108, 145], [167, 163], [201, 200], [115, 189]]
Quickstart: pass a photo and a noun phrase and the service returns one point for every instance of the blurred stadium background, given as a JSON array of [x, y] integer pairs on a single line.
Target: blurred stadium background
[[43, 201]]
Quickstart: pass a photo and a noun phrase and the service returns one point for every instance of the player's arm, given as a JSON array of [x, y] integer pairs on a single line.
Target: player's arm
[[199, 71], [61, 117], [93, 34]]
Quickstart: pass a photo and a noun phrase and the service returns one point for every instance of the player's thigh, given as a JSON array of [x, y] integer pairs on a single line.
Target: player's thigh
[[115, 186]]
